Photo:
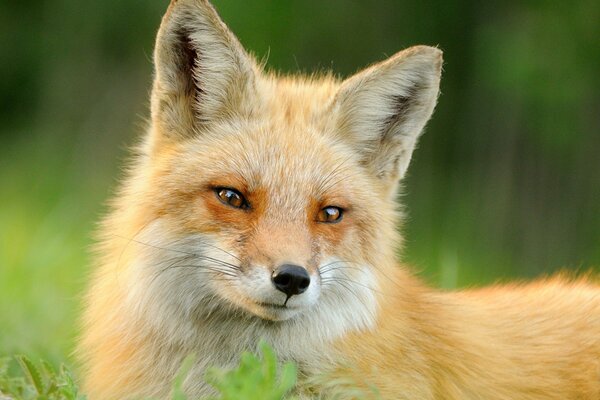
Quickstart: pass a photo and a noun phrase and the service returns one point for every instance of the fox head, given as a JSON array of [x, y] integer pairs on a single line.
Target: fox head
[[266, 197]]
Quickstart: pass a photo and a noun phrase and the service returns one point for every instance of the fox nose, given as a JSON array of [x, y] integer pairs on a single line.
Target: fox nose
[[291, 279]]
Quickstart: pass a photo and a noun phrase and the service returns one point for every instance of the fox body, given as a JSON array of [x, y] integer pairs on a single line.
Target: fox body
[[262, 207]]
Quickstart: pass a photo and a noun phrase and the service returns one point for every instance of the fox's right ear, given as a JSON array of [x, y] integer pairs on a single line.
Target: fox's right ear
[[382, 110], [202, 72]]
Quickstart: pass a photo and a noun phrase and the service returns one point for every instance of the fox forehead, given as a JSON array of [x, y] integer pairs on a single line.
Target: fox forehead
[[298, 100], [287, 146], [284, 162]]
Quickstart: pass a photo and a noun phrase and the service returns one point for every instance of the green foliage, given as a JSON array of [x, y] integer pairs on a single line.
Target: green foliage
[[254, 378], [36, 381]]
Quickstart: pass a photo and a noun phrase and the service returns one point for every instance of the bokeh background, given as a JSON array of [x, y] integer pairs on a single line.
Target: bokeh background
[[505, 185]]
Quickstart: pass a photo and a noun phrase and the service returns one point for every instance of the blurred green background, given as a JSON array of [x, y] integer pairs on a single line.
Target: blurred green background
[[506, 183]]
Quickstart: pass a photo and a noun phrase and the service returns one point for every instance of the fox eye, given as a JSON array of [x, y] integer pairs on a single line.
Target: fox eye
[[231, 197], [330, 214]]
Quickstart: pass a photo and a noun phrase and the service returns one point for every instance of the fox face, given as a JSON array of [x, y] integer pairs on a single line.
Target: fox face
[[264, 196], [263, 207], [269, 221]]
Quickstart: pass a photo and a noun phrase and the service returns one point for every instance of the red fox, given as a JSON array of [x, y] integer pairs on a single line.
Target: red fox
[[262, 207]]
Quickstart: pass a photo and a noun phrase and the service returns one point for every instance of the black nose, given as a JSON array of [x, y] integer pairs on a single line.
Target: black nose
[[291, 279]]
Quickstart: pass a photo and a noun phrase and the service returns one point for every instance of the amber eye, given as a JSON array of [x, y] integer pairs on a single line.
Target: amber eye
[[330, 214], [231, 197]]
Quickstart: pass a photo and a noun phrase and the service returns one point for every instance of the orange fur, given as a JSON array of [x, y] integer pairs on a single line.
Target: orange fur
[[180, 272]]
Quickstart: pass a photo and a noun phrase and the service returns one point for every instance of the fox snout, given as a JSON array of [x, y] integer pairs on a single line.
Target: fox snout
[[291, 280]]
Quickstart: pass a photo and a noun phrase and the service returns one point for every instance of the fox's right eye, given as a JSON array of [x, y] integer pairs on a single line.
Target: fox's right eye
[[231, 197]]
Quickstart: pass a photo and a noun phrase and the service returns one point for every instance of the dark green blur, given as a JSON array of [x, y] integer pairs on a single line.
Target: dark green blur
[[505, 183]]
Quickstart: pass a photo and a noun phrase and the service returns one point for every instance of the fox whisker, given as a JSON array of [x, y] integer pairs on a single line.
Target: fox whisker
[[217, 272], [345, 285], [324, 269], [338, 279], [191, 254], [200, 241]]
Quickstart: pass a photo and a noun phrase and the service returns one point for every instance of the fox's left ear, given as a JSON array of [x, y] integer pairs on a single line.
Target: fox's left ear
[[383, 109]]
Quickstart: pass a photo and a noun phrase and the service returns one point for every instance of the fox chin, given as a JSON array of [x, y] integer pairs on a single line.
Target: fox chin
[[262, 207]]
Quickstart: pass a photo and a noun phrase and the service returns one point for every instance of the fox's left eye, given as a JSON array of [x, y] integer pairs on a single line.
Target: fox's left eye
[[231, 197], [330, 214]]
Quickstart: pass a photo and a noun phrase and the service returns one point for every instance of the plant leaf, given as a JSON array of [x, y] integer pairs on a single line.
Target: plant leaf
[[32, 373]]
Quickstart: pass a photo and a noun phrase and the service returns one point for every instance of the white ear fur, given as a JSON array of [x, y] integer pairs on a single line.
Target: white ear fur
[[383, 109], [202, 72]]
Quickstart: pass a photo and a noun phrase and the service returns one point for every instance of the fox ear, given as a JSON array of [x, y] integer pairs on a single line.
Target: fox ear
[[384, 108], [202, 72]]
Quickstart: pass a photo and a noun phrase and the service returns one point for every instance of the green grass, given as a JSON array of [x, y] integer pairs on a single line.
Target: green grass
[[36, 381], [256, 377]]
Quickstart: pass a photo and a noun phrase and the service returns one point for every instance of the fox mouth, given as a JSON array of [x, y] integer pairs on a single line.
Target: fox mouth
[[273, 305], [274, 311]]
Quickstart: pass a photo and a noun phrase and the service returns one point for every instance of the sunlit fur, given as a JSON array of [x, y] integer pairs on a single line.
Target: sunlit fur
[[181, 273]]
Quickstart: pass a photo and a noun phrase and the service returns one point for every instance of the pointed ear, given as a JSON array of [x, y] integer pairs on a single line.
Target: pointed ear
[[202, 72], [383, 109]]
